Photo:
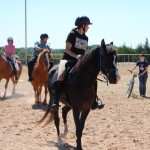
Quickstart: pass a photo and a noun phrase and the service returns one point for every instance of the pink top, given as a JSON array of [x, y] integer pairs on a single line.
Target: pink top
[[9, 49]]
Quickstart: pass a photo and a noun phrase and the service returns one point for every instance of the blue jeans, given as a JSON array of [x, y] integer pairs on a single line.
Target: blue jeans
[[142, 84]]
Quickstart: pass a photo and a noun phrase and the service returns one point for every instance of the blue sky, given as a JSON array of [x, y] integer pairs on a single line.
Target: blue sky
[[120, 21]]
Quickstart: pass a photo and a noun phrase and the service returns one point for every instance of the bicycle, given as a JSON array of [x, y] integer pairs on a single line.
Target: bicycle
[[131, 84]]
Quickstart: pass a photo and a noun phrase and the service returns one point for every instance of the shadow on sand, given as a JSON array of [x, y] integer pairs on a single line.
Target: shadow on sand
[[134, 96], [15, 96], [53, 144], [39, 106]]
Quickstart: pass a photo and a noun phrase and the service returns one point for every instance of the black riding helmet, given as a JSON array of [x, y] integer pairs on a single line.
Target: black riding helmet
[[83, 20], [10, 39], [42, 36]]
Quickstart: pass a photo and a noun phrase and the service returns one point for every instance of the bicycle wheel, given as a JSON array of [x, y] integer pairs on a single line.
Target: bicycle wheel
[[130, 88]]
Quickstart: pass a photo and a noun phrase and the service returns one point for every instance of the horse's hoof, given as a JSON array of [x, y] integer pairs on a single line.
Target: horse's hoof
[[78, 148], [63, 135], [44, 103]]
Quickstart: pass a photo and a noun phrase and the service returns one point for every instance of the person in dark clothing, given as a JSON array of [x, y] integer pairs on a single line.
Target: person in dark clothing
[[76, 44], [38, 48], [143, 74]]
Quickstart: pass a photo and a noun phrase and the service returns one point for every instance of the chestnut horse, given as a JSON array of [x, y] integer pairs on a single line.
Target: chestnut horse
[[80, 91], [40, 75], [6, 72]]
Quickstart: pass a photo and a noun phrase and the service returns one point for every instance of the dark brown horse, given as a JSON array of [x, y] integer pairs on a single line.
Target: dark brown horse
[[40, 75], [80, 91], [6, 72]]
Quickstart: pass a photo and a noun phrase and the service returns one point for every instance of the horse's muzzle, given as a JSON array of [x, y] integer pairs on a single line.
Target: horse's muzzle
[[114, 79]]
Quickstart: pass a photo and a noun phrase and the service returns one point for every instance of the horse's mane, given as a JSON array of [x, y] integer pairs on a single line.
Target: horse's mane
[[94, 54], [40, 57], [88, 57]]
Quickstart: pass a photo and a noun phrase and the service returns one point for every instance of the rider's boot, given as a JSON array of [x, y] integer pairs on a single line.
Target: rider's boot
[[96, 105], [58, 87], [96, 99], [15, 71], [30, 74]]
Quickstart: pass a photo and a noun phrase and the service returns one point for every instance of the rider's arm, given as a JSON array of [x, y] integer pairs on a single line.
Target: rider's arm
[[68, 50], [38, 49], [133, 67], [146, 69]]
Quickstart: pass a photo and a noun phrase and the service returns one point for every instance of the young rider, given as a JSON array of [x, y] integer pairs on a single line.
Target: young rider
[[76, 44], [10, 54], [38, 48]]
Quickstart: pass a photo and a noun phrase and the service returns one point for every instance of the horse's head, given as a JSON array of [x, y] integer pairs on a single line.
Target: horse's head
[[108, 57], [44, 58]]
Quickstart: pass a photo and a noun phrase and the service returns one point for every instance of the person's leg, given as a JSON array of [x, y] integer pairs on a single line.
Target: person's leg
[[58, 85], [95, 103], [140, 85], [31, 64], [51, 64], [144, 84], [11, 60]]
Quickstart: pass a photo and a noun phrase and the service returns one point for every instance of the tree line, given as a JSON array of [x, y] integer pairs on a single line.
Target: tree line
[[57, 53]]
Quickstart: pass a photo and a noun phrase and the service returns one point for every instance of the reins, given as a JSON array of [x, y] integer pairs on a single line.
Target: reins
[[106, 79]]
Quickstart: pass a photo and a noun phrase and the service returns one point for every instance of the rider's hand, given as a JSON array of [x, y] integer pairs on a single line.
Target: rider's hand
[[130, 71], [78, 57]]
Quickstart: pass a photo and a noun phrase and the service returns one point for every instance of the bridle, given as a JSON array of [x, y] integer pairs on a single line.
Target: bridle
[[103, 65]]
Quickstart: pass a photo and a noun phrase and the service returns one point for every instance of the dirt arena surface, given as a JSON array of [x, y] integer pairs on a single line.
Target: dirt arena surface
[[123, 124]]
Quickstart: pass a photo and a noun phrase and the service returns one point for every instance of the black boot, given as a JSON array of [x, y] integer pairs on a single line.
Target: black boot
[[14, 71], [30, 73], [58, 87], [96, 104]]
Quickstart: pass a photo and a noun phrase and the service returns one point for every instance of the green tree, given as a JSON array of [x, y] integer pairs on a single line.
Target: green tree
[[146, 46]]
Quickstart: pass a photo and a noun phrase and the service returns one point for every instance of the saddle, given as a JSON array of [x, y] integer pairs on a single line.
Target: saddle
[[69, 69], [12, 64]]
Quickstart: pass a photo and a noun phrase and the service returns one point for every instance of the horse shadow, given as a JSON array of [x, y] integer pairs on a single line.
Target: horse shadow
[[39, 106], [66, 146], [134, 96], [15, 96]]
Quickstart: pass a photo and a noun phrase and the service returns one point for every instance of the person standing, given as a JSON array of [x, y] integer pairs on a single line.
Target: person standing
[[143, 74]]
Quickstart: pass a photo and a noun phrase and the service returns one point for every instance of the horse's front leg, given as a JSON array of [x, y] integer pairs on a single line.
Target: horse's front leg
[[65, 111], [76, 115], [57, 122], [6, 85], [46, 91], [83, 117], [14, 85], [36, 96]]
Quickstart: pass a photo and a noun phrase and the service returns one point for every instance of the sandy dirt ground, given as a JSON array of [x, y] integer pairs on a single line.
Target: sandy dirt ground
[[123, 124]]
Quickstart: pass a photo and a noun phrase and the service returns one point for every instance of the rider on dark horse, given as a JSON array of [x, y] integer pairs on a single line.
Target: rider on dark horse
[[38, 48], [10, 55], [76, 44]]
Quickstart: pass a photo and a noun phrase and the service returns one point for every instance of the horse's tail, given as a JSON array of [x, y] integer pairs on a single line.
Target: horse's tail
[[50, 81], [45, 116]]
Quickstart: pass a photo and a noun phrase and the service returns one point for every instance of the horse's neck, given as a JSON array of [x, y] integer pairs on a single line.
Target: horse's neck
[[40, 67], [89, 72], [3, 60]]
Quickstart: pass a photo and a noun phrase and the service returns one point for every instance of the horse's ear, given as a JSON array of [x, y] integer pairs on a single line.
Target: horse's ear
[[111, 43], [103, 43]]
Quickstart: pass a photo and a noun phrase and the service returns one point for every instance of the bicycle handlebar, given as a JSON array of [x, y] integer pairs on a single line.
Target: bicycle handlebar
[[135, 73]]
